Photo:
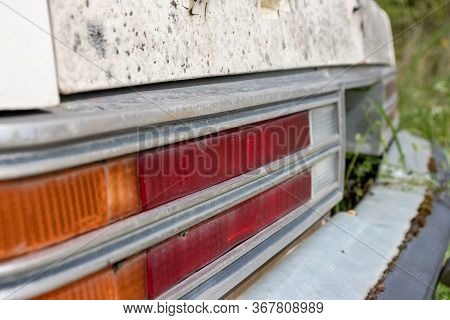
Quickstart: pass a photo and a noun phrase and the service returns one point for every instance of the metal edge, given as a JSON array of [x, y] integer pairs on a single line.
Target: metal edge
[[124, 109], [343, 134], [423, 259], [99, 113], [21, 164], [26, 277], [424, 255]]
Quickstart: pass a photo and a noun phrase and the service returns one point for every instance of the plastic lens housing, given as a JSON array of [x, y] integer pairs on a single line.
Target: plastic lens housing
[[44, 210], [176, 258], [172, 172], [325, 174], [125, 281], [122, 187], [324, 124]]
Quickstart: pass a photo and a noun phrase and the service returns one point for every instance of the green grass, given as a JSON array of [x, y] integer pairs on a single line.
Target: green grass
[[443, 292], [423, 61]]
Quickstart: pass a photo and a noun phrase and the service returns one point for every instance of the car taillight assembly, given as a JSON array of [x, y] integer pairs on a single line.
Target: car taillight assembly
[[172, 172], [298, 155], [47, 209]]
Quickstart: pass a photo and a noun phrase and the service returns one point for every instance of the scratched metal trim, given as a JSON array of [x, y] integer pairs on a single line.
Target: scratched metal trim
[[26, 162], [91, 127], [102, 112]]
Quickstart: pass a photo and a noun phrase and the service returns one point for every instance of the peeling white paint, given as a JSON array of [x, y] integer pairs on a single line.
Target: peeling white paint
[[27, 64], [117, 43]]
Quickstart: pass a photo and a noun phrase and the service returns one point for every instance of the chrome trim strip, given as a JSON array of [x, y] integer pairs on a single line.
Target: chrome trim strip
[[97, 113], [96, 126], [20, 163], [61, 264]]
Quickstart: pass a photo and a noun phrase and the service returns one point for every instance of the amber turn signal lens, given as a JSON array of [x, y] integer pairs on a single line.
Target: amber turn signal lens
[[44, 210], [122, 185], [99, 286], [125, 281]]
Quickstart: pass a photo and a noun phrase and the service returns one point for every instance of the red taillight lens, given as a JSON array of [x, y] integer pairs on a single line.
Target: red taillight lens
[[174, 259], [172, 172]]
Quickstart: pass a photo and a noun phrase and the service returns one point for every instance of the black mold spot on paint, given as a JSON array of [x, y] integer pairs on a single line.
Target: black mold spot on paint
[[96, 38]]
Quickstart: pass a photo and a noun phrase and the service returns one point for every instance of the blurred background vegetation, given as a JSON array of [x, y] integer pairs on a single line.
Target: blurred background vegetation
[[423, 61], [422, 47]]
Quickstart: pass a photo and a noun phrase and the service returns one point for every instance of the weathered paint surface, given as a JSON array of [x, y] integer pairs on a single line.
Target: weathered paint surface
[[27, 64], [117, 43]]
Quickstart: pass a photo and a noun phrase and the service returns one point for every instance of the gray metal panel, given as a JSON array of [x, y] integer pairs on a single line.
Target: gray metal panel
[[105, 112], [98, 113], [417, 270], [424, 255], [417, 152], [28, 161]]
